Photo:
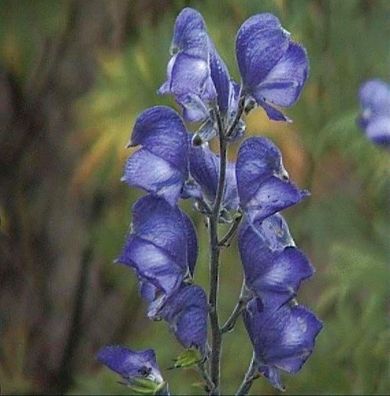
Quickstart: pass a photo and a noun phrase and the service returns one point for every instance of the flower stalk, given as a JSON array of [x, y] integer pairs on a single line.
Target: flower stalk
[[216, 337]]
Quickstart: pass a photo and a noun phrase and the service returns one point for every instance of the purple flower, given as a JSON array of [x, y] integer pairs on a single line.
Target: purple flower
[[282, 338], [161, 247], [204, 169], [274, 268], [263, 184], [186, 312], [160, 166], [273, 67], [131, 365], [375, 111], [188, 73], [198, 78]]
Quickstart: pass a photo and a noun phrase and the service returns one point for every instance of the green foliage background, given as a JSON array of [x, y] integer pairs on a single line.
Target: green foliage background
[[343, 226]]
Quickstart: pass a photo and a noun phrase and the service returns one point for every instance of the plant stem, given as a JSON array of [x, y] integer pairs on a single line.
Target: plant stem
[[250, 376], [240, 110], [214, 263], [205, 375], [225, 241], [231, 321]]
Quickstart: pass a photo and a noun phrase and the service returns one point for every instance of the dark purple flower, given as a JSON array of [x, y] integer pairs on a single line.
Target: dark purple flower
[[262, 182], [204, 168], [161, 247], [274, 268], [374, 98], [160, 166], [131, 364], [186, 312], [282, 338], [273, 67]]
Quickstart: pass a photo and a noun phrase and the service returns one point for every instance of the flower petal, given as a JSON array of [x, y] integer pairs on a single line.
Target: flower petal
[[161, 165], [261, 42], [161, 131], [283, 338], [186, 312], [192, 243], [273, 267], [153, 264], [131, 364], [374, 98], [283, 84], [153, 174], [221, 79], [189, 75], [378, 130], [262, 181], [190, 34], [273, 196], [155, 221], [258, 159], [273, 113]]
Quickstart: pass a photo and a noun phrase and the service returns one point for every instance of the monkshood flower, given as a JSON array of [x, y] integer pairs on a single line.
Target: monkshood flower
[[188, 72], [374, 119], [138, 368], [283, 338], [161, 247], [274, 268], [273, 68], [186, 312], [198, 78], [160, 166], [263, 184], [204, 169]]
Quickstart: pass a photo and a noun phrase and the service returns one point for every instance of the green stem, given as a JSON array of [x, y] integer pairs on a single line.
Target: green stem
[[250, 376], [231, 321]]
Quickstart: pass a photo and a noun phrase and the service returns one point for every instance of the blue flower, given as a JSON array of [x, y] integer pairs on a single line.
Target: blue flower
[[161, 247], [198, 78], [283, 338], [131, 365], [204, 169], [186, 311], [263, 184], [273, 68], [274, 268], [375, 111], [188, 73], [160, 166]]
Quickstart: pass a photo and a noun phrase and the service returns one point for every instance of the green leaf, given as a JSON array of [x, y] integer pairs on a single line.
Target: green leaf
[[144, 386], [189, 358]]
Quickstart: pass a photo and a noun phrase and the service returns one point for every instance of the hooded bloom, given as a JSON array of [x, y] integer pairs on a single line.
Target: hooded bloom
[[160, 166], [263, 184], [374, 98], [188, 71], [131, 365], [273, 68], [186, 312], [198, 78], [282, 338], [161, 247], [274, 268]]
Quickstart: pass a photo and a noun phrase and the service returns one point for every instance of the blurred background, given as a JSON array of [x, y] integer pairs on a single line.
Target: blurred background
[[73, 77]]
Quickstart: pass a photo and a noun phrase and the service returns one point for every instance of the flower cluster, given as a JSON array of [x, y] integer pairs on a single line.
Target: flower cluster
[[171, 164], [374, 119]]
